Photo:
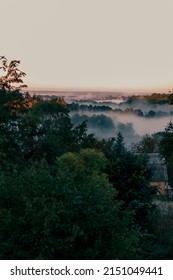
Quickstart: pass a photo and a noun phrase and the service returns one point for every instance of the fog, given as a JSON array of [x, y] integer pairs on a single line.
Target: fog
[[145, 125], [132, 127], [108, 113]]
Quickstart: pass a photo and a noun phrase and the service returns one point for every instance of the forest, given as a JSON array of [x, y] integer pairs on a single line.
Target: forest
[[68, 194], [134, 116]]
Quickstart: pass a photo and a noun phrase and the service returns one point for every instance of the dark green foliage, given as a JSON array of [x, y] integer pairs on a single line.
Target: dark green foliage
[[46, 131], [62, 199], [130, 175], [166, 149], [69, 212], [166, 143], [101, 122], [162, 229], [74, 107], [13, 104], [148, 144], [155, 98]]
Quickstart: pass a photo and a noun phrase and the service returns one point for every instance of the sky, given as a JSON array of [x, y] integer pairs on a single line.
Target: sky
[[90, 44]]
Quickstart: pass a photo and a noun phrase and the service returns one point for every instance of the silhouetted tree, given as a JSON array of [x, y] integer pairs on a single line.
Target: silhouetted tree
[[12, 79], [148, 144], [166, 148]]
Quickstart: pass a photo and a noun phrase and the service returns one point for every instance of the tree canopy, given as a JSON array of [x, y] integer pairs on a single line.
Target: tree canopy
[[12, 79], [64, 193]]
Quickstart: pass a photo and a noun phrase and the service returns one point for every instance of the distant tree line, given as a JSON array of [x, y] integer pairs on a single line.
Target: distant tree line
[[122, 109], [156, 98]]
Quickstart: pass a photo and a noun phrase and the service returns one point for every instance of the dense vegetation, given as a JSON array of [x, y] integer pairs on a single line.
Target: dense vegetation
[[155, 98], [64, 193], [133, 116], [138, 108]]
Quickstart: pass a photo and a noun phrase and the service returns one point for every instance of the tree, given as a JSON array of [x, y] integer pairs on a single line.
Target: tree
[[12, 79], [166, 148], [13, 105], [68, 211], [171, 98], [166, 143], [130, 174], [46, 131], [100, 122], [118, 147], [148, 144], [12, 102]]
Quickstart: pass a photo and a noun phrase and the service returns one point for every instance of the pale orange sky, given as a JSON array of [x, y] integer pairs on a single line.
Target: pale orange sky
[[95, 44]]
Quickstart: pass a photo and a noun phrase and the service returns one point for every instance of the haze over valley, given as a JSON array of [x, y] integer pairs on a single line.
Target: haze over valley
[[108, 113]]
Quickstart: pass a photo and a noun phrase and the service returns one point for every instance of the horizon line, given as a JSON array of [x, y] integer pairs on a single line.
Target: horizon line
[[101, 90]]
